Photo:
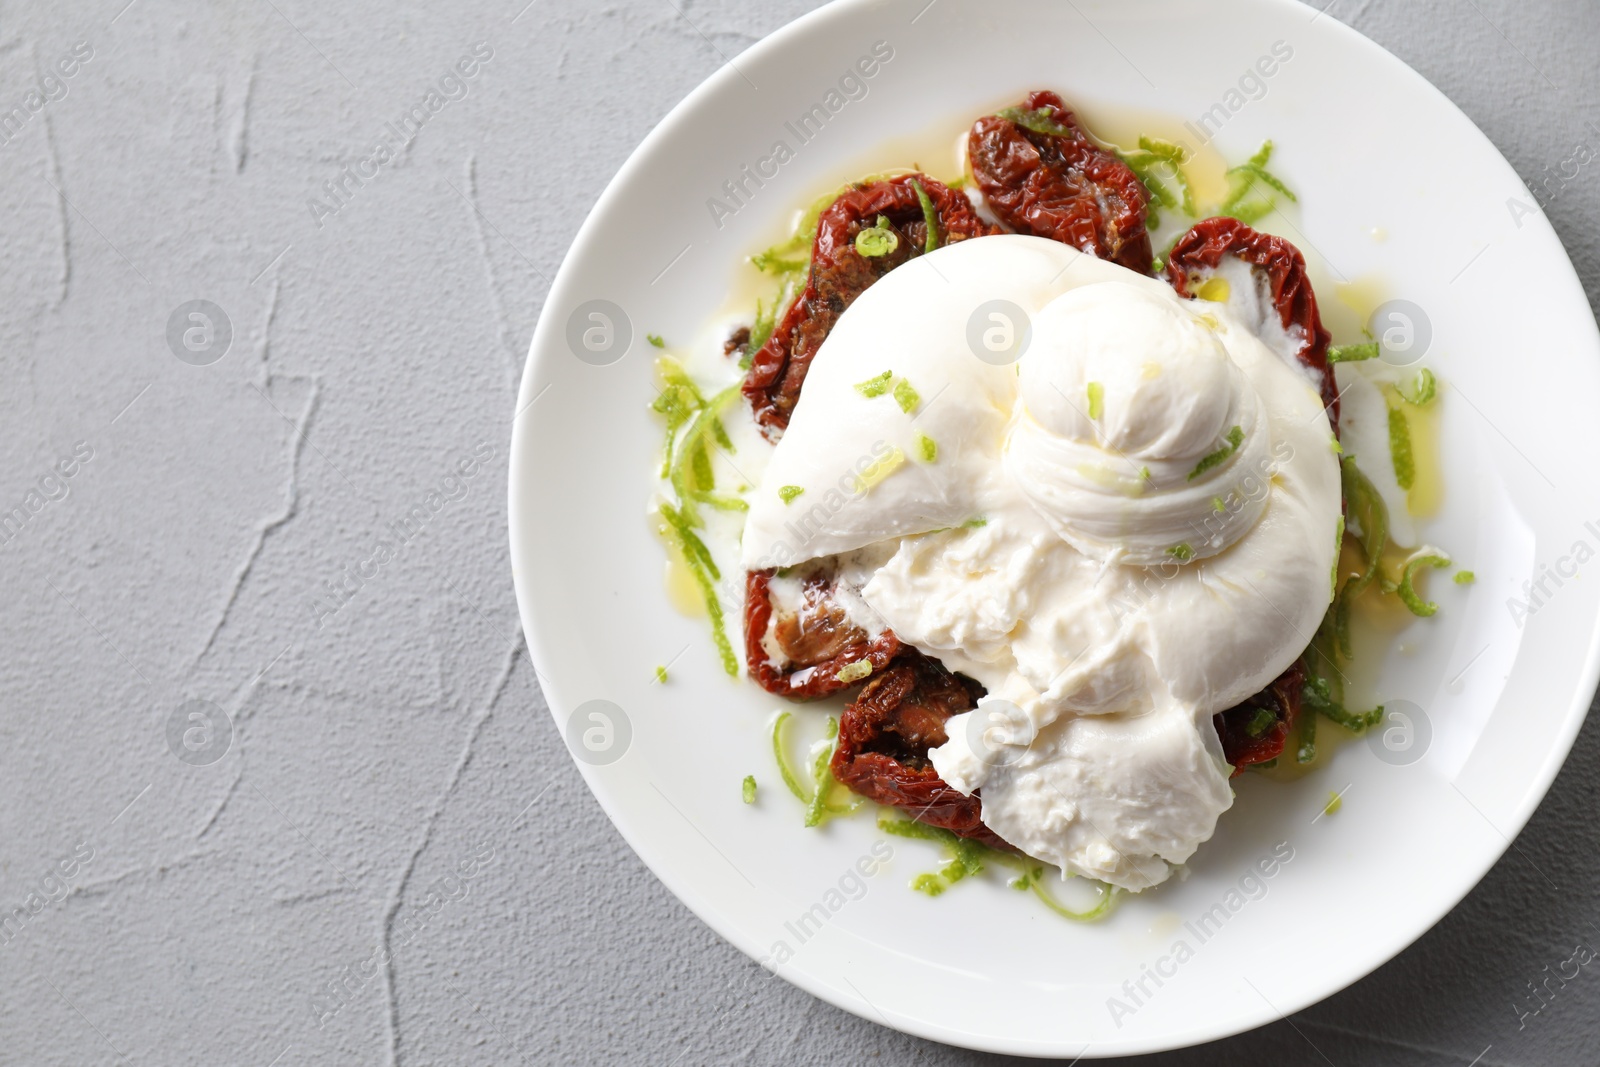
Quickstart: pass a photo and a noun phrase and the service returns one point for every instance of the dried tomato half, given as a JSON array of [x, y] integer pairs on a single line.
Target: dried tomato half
[[840, 273], [1256, 730], [1201, 250], [885, 735], [816, 641], [1042, 175]]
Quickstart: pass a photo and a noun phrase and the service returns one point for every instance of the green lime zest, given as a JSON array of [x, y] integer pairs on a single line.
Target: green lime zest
[[705, 573], [818, 799], [877, 240], [1407, 589], [1097, 395], [1143, 163], [823, 782], [1370, 518], [927, 448], [876, 385], [854, 671], [689, 469], [1318, 696], [661, 674], [1175, 156], [1154, 160], [1354, 353], [1335, 802], [1465, 578], [747, 789], [781, 755], [1032, 878], [1243, 181], [1405, 468], [1220, 456], [930, 216], [965, 857], [1425, 389], [766, 320], [787, 493], [1038, 119], [1306, 748], [906, 396], [1338, 543], [1262, 721]]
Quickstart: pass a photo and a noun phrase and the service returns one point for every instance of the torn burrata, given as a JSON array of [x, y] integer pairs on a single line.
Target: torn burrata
[[1114, 507]]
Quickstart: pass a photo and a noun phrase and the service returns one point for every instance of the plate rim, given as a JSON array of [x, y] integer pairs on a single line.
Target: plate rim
[[683, 888]]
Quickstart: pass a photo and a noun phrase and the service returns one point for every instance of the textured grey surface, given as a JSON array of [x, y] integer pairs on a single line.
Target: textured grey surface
[[389, 736]]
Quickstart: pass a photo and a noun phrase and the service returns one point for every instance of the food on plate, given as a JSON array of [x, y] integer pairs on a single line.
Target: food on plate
[[1070, 526]]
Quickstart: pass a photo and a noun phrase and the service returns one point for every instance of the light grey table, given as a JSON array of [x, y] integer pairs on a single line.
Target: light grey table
[[376, 848]]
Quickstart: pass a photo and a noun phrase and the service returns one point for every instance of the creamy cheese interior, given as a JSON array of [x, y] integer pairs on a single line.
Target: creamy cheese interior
[[1128, 528]]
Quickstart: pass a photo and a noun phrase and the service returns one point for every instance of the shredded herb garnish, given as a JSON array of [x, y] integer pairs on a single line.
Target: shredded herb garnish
[[875, 386], [661, 674], [906, 396], [1235, 439], [747, 789], [655, 339], [1181, 552], [928, 448], [1097, 395], [787, 493], [1335, 802], [1465, 577], [973, 524]]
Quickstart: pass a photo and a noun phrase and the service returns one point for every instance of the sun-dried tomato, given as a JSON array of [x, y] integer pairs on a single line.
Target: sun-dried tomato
[[1060, 185], [885, 735], [1256, 730], [839, 274], [817, 641], [1289, 288]]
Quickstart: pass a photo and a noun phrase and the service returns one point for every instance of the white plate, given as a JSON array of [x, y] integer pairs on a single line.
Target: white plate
[[1366, 143]]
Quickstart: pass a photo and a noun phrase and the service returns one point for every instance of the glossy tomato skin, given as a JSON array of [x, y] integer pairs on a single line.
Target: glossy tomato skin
[[1201, 250], [1061, 186], [839, 273], [1282, 700], [885, 736], [817, 641]]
